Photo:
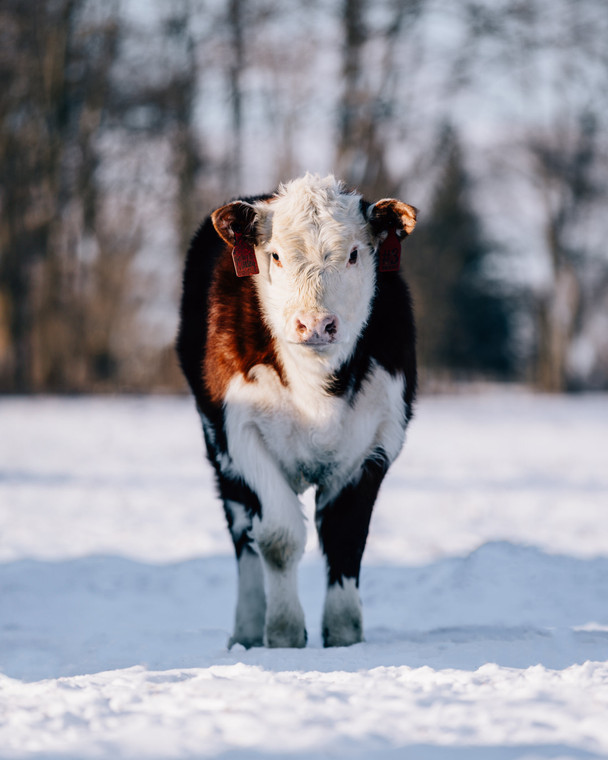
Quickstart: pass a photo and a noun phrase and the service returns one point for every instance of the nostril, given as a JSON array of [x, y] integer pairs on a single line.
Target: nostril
[[301, 327], [331, 327]]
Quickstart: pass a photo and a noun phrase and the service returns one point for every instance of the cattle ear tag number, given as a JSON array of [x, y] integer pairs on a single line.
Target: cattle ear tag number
[[389, 253], [243, 256]]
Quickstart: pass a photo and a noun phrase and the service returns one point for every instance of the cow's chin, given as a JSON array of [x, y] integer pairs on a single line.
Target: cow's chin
[[329, 355]]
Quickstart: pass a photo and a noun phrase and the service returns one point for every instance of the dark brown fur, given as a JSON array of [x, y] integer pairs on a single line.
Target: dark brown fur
[[237, 337], [222, 330]]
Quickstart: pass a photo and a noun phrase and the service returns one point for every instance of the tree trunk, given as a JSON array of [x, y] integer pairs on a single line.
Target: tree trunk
[[557, 314], [235, 21]]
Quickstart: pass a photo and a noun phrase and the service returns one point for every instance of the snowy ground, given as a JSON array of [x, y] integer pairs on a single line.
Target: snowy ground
[[485, 592]]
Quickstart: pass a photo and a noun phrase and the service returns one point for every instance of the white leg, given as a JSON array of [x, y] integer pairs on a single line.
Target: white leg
[[251, 602], [285, 624], [251, 605], [280, 533], [342, 616]]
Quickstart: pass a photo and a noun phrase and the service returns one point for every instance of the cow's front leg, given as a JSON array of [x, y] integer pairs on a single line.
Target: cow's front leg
[[343, 525], [278, 529], [279, 534], [281, 547]]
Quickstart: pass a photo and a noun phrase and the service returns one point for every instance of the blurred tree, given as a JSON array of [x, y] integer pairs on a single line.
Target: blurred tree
[[367, 111], [236, 25], [153, 99], [564, 175], [463, 320], [29, 82], [557, 58], [179, 107], [68, 240], [56, 67]]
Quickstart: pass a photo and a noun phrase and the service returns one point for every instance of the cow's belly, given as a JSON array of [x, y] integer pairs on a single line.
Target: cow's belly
[[319, 439]]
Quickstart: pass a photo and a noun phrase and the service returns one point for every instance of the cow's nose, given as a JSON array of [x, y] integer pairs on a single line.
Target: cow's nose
[[316, 329]]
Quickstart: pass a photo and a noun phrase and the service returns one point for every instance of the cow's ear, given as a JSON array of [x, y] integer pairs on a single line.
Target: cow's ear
[[237, 219], [390, 221], [390, 214], [236, 225]]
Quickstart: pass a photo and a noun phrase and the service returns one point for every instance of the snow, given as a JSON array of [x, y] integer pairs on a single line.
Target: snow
[[485, 593]]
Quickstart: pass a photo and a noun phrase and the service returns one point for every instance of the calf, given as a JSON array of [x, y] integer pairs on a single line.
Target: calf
[[302, 364]]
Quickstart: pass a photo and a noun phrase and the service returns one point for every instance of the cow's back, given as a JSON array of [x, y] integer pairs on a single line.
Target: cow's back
[[202, 257]]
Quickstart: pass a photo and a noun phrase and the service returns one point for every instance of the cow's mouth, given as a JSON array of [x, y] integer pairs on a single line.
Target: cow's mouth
[[318, 344]]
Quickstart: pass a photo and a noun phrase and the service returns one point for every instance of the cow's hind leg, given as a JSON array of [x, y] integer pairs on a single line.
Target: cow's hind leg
[[251, 601], [343, 525]]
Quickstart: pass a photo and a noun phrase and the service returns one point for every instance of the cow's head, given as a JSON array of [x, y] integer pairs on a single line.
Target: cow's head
[[319, 250]]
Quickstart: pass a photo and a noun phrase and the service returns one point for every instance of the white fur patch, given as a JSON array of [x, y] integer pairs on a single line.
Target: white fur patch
[[241, 520], [285, 626], [284, 439], [280, 533], [250, 614], [247, 405], [313, 225], [342, 614]]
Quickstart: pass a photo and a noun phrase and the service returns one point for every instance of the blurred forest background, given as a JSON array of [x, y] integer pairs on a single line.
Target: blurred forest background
[[124, 122]]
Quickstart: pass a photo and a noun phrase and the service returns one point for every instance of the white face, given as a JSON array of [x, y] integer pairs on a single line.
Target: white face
[[317, 271]]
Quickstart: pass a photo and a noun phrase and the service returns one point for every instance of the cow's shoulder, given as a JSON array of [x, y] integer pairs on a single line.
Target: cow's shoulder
[[215, 303], [391, 333], [239, 338]]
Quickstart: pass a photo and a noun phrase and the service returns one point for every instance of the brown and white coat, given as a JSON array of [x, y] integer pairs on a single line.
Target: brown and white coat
[[304, 375]]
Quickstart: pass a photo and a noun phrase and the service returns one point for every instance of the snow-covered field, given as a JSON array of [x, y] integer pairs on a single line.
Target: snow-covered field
[[485, 592]]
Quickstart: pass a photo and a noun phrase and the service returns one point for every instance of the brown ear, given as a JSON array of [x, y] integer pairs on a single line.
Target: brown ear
[[390, 214], [237, 217], [390, 221]]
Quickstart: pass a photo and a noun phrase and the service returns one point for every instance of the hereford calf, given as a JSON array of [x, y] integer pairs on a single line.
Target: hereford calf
[[297, 340]]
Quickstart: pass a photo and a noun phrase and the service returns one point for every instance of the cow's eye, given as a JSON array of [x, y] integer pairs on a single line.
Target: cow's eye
[[352, 259], [275, 256]]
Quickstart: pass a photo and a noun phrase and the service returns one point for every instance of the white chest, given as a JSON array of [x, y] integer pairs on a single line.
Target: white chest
[[316, 438], [307, 436]]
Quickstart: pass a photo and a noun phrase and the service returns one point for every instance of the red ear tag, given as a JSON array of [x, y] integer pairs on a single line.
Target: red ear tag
[[243, 256], [389, 253]]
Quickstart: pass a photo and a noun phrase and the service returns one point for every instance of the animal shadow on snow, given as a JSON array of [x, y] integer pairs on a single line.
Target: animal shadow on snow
[[506, 604]]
